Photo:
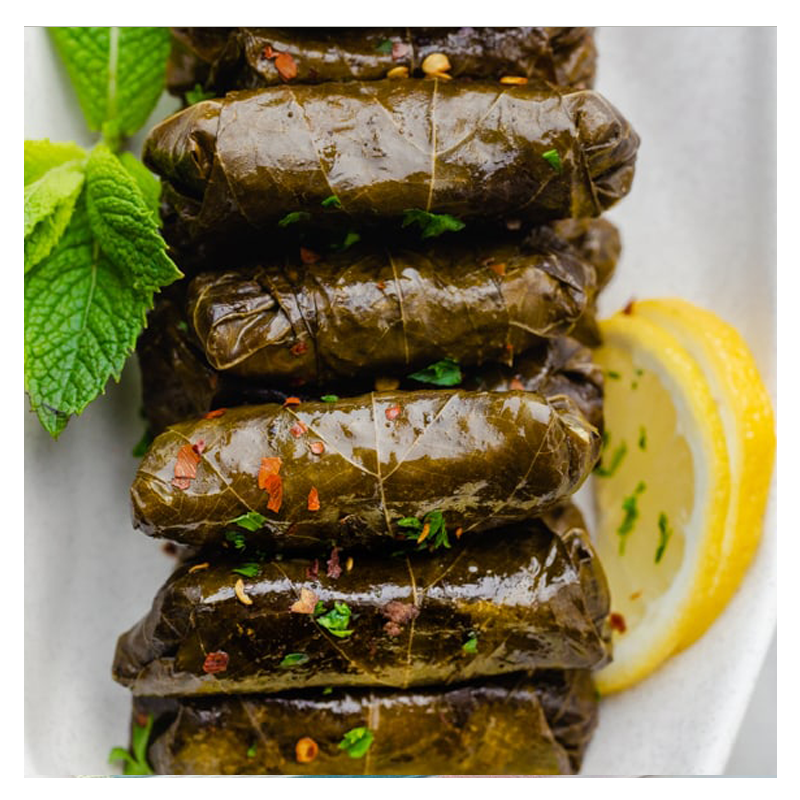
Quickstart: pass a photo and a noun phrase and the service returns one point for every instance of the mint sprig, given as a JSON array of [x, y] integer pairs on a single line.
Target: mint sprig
[[431, 225], [135, 759]]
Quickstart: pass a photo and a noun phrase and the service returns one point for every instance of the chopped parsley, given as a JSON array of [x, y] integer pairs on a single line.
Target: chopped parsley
[[330, 398], [471, 645], [236, 539], [294, 660], [335, 621], [249, 570], [430, 532], [631, 512], [385, 47], [613, 464], [664, 534], [554, 160], [431, 224], [642, 438], [443, 373], [251, 521], [332, 202], [135, 760], [356, 742], [294, 216]]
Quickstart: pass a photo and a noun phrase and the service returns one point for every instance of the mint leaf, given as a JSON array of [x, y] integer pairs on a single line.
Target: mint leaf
[[294, 660], [122, 223], [292, 217], [443, 373], [82, 317], [554, 160], [248, 570], [251, 521], [431, 224], [332, 202], [42, 155], [148, 184], [336, 620], [471, 645], [49, 202], [118, 73]]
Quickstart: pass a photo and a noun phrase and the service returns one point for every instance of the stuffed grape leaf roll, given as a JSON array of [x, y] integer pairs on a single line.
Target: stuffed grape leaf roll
[[386, 311], [350, 470], [366, 152], [223, 59], [431, 614], [522, 725]]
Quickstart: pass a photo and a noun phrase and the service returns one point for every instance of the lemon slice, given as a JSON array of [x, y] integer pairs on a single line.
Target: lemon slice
[[746, 413], [662, 491]]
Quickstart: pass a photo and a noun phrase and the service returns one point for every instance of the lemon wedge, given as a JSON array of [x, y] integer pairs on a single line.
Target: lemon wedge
[[746, 412], [662, 491]]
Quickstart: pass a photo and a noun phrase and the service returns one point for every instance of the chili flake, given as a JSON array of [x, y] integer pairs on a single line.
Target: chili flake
[[268, 52], [306, 750], [459, 531], [628, 308], [298, 429], [185, 466], [308, 256], [617, 622], [498, 269], [270, 465], [198, 567], [313, 499], [393, 413], [516, 385], [317, 448], [286, 66], [215, 662], [291, 401], [306, 604], [298, 349], [217, 412]]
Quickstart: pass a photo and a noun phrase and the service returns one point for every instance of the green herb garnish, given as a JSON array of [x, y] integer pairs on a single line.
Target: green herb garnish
[[664, 534], [330, 398], [251, 751], [249, 570], [631, 510], [385, 47], [431, 224], [332, 202], [251, 521], [613, 375], [642, 438], [443, 373], [327, 690], [471, 645], [554, 160], [135, 760], [336, 620], [140, 448], [356, 742], [294, 660], [294, 216], [198, 94], [236, 538], [616, 460], [430, 532]]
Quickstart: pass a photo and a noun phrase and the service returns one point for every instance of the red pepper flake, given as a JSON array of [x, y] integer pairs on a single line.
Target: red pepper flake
[[393, 413], [268, 52], [298, 349], [636, 595], [334, 569], [313, 499], [510, 347], [270, 480], [216, 662], [169, 549], [306, 604], [217, 412], [516, 385], [381, 285], [498, 269], [309, 256], [317, 448], [459, 532], [198, 447], [306, 750], [617, 622], [298, 429], [312, 572], [291, 401], [185, 466], [628, 308], [286, 66], [141, 719], [426, 529], [399, 50]]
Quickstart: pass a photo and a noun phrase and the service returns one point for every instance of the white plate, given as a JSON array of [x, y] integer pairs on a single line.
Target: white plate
[[699, 224]]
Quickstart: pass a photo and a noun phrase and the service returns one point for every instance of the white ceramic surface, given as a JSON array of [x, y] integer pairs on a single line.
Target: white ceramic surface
[[700, 224]]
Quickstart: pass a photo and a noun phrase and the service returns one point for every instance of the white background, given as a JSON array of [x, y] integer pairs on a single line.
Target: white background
[[700, 224]]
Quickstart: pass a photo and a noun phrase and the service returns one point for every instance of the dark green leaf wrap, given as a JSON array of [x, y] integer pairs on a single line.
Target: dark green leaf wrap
[[223, 59], [539, 600], [537, 725], [242, 163], [484, 459], [386, 311]]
